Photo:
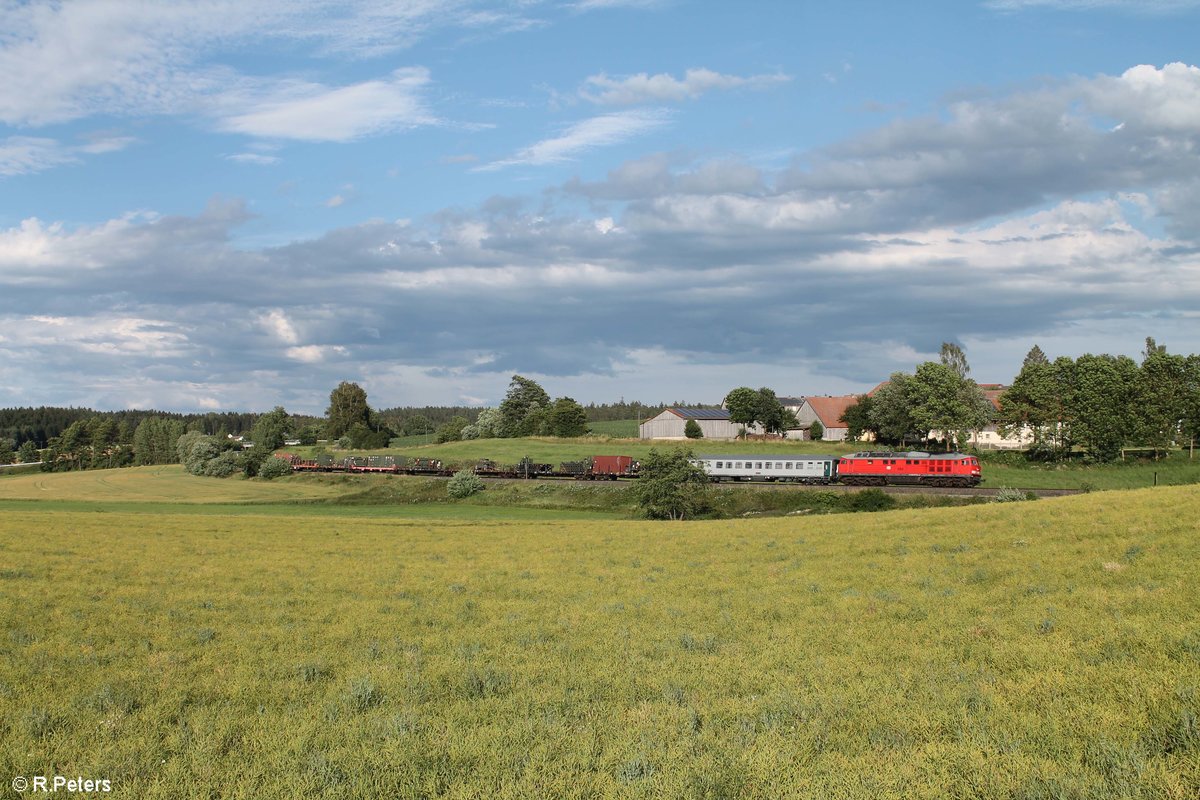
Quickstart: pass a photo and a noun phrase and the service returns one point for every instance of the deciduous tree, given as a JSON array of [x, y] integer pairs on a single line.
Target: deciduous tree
[[347, 406], [671, 486]]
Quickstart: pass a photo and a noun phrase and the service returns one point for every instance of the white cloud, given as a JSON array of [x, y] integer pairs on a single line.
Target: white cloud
[[276, 323], [254, 158], [64, 61], [20, 155], [314, 353], [664, 88], [605, 130], [1166, 99], [335, 201], [316, 113]]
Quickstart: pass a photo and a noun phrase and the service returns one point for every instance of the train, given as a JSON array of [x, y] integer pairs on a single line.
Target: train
[[913, 468]]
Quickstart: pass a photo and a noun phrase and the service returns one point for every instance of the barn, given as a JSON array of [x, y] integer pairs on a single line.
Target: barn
[[714, 424], [828, 411]]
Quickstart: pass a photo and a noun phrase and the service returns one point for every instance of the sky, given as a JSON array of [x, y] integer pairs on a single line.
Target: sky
[[233, 205]]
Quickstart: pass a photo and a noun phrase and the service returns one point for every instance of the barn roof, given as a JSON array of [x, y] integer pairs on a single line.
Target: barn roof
[[830, 409]]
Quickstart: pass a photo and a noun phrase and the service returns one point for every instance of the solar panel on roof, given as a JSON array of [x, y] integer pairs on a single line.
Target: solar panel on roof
[[702, 413]]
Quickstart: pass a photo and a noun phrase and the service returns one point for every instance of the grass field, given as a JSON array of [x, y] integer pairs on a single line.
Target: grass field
[[1031, 650]]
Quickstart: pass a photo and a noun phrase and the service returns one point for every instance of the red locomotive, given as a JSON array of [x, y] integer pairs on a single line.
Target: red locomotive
[[915, 468]]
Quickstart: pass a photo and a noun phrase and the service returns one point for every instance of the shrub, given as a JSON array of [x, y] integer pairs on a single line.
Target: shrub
[[1010, 495], [692, 430], [223, 465], [274, 467], [816, 431], [870, 500], [464, 483]]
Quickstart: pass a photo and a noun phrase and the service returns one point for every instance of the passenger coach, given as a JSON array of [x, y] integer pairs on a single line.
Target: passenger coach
[[811, 469]]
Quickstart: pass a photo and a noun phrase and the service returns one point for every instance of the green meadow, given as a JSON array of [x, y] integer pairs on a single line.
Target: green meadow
[[1026, 650]]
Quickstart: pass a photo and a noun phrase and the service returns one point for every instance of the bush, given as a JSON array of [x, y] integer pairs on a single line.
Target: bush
[[692, 430], [816, 431], [223, 465], [274, 467], [1009, 495], [464, 483], [870, 500]]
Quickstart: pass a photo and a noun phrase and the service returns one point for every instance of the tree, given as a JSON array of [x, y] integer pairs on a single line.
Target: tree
[[743, 404], [268, 434], [952, 356], [1105, 391], [940, 399], [691, 430], [484, 426], [154, 440], [858, 418], [523, 410], [308, 435], [347, 405], [671, 486], [451, 431], [27, 453], [891, 412], [1031, 402], [1161, 396], [6, 450], [816, 431], [417, 425], [566, 418], [771, 413]]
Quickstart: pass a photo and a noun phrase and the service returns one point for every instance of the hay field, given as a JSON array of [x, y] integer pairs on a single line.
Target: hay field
[[1047, 649], [161, 484]]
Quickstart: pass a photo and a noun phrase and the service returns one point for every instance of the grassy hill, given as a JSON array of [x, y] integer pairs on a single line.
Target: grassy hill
[[1045, 649]]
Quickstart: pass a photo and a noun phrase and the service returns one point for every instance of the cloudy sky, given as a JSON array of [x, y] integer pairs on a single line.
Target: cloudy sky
[[231, 204]]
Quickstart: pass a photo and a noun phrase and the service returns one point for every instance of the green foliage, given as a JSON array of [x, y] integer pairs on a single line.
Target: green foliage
[[1105, 391], [28, 453], [417, 425], [274, 468], [743, 404], [6, 451], [522, 412], [347, 406], [268, 435], [942, 400], [464, 483], [691, 429], [870, 500], [309, 434], [566, 419], [1010, 495], [362, 437], [155, 439], [671, 486], [891, 416], [816, 431], [451, 431], [858, 418]]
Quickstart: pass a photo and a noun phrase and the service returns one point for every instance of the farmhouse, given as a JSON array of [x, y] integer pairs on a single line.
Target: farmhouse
[[714, 424], [828, 411]]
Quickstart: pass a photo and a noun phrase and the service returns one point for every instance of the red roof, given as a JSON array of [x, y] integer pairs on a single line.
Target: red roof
[[830, 409]]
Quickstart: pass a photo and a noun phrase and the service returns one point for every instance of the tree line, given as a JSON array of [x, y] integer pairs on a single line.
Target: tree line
[[1093, 405]]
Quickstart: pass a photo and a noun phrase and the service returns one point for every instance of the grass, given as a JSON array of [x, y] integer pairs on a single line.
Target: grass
[[1046, 649]]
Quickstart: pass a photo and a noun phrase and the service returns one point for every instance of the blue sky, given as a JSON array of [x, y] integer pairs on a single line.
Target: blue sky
[[233, 205]]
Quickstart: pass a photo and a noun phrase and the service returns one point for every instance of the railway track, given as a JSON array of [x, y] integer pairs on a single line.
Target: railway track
[[942, 491]]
